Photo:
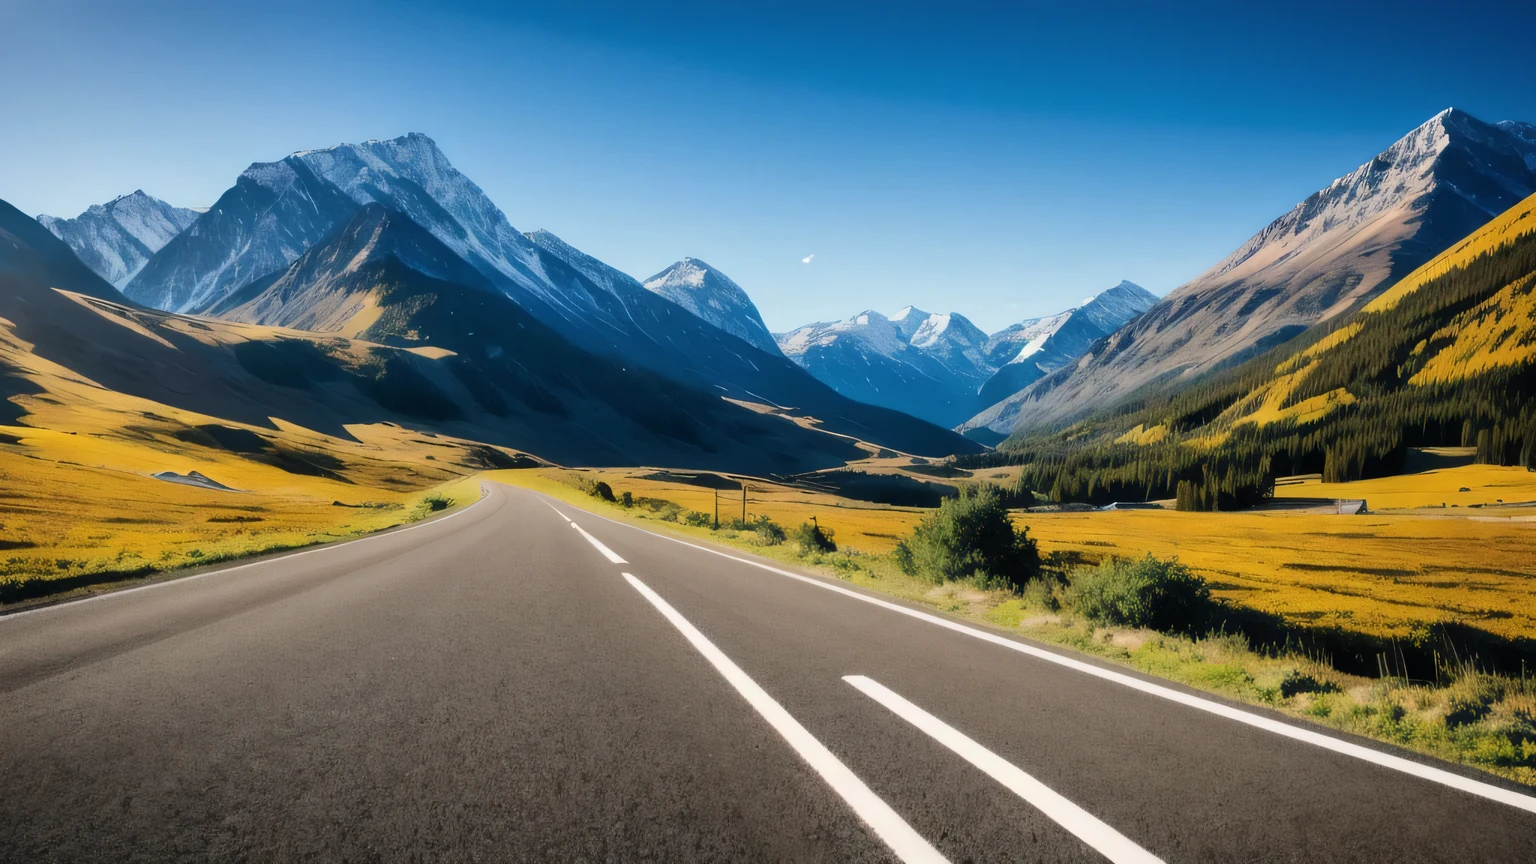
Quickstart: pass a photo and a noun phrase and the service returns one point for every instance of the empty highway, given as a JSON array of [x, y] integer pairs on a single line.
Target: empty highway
[[525, 681]]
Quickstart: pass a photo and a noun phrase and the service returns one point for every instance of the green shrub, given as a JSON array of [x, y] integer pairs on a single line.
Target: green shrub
[[627, 499], [1296, 681], [1041, 594], [1161, 595], [970, 535], [602, 490], [435, 502], [811, 537], [769, 532], [697, 519]]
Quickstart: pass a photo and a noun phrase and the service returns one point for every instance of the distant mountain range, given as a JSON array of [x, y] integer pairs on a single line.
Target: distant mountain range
[[943, 368], [278, 211], [1329, 255], [117, 238], [1047, 344], [385, 241], [506, 380]]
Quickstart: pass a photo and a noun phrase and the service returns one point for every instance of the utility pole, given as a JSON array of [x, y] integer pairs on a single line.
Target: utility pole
[[717, 509], [743, 503]]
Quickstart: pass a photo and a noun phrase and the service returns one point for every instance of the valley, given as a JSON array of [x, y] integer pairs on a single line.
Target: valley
[[354, 340]]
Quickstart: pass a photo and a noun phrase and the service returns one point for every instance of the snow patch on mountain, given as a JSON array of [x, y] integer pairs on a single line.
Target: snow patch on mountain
[[115, 239], [713, 296]]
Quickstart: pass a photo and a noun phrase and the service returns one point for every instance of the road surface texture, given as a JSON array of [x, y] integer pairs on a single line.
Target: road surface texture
[[492, 686]]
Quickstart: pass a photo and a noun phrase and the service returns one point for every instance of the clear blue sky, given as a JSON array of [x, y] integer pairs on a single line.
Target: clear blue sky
[[999, 161]]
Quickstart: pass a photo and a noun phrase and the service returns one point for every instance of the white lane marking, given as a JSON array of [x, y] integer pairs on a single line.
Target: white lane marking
[[607, 553], [1306, 736], [557, 510], [1109, 842], [897, 834], [182, 580]]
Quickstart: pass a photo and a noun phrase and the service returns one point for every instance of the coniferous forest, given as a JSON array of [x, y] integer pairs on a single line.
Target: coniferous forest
[[1199, 446]]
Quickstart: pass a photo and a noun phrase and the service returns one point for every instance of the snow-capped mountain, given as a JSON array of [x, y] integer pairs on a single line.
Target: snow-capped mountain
[[277, 211], [331, 287], [115, 239], [1043, 345], [711, 295], [949, 338], [943, 368], [274, 212], [922, 364], [610, 279], [1330, 254]]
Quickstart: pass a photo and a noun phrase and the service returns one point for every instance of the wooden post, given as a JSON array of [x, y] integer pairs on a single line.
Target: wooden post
[[717, 509], [743, 503]]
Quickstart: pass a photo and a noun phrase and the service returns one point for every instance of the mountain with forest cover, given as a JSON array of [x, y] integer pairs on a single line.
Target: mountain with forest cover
[[1446, 357], [277, 211], [711, 295], [1329, 255], [117, 238]]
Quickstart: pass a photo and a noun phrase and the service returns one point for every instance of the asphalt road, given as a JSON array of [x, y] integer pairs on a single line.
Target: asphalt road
[[493, 687]]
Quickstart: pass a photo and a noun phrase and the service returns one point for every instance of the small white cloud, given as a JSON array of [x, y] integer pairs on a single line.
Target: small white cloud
[[807, 259]]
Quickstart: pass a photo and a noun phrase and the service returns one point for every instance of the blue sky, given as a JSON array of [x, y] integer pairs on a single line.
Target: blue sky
[[1000, 161]]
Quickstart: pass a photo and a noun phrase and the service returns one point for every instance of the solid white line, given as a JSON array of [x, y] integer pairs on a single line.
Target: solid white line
[[557, 510], [182, 580], [890, 827], [1109, 842], [607, 553], [1307, 736]]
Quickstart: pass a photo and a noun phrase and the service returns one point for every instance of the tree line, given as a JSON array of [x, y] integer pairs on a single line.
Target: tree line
[[1207, 461]]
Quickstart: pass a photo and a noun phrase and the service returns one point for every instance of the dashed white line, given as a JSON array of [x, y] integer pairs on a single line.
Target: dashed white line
[[557, 511], [607, 553], [1307, 736], [908, 845], [1106, 840]]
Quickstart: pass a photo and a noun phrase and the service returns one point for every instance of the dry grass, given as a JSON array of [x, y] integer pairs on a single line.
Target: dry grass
[[1487, 721], [1488, 487], [1388, 576], [79, 509]]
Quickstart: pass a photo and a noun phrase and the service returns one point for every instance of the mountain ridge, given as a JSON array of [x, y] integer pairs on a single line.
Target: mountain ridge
[[1329, 254], [714, 297], [117, 239]]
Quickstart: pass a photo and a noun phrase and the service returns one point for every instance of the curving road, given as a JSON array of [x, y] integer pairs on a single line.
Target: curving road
[[506, 684]]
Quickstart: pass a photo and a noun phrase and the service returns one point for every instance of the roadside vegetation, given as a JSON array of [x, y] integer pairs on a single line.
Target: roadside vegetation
[[1150, 612]]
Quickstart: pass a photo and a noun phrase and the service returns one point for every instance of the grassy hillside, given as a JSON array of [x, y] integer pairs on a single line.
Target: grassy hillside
[[1447, 357]]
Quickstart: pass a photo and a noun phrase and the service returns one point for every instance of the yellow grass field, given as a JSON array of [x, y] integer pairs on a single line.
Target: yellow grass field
[[1488, 486], [1382, 575], [79, 507]]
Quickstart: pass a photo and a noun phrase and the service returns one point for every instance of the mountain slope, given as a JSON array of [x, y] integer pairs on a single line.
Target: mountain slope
[[1051, 343], [269, 217], [33, 259], [1447, 357], [872, 358], [711, 295], [1330, 254], [117, 238], [328, 288], [509, 381], [278, 210]]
